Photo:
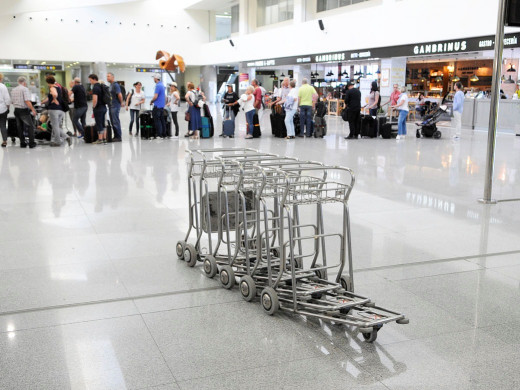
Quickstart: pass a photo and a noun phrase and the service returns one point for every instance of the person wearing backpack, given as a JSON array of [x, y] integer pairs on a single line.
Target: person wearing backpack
[[99, 107], [374, 100], [56, 107], [115, 107]]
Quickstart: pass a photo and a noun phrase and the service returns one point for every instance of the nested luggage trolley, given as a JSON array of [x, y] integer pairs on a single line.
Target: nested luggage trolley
[[283, 250]]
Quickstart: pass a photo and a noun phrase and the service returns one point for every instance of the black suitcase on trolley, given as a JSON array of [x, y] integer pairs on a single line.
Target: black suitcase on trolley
[[389, 130], [320, 127], [368, 126]]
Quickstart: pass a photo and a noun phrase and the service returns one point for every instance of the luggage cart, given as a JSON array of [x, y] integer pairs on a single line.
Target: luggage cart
[[307, 290], [211, 207]]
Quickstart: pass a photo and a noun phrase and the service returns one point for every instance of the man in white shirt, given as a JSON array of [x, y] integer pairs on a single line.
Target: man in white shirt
[[23, 108], [458, 108], [5, 102]]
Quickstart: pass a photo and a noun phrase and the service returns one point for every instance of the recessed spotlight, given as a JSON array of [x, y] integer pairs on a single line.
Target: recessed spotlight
[[91, 21], [14, 16], [77, 20], [162, 26], [134, 24], [173, 26], [106, 21], [61, 20], [120, 23], [148, 25], [30, 17]]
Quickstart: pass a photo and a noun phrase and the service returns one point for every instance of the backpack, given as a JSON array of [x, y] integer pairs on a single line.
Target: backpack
[[123, 92], [321, 109], [198, 98], [64, 99], [130, 95], [107, 96]]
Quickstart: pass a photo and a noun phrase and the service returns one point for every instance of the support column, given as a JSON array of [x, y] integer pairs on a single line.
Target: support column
[[85, 71], [495, 99], [302, 72], [208, 82], [100, 68]]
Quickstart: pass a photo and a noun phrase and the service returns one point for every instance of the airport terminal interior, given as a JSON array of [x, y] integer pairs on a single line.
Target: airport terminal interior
[[375, 253]]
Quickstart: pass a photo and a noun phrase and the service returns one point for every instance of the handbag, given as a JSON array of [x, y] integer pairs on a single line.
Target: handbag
[[187, 116]]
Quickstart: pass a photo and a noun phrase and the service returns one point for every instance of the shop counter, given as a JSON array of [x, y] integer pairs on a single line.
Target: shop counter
[[476, 114]]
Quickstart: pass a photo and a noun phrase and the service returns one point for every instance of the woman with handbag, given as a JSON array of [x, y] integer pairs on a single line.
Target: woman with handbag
[[193, 116], [134, 102], [247, 103]]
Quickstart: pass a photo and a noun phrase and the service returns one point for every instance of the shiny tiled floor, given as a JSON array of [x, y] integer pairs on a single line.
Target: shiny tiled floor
[[92, 296]]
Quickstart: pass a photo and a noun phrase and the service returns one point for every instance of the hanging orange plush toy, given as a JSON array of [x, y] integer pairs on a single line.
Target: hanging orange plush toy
[[169, 62]]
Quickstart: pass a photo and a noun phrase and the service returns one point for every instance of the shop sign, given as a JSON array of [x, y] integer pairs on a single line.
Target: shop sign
[[490, 43], [301, 60], [37, 67], [149, 70], [260, 63], [330, 57], [361, 54], [446, 47]]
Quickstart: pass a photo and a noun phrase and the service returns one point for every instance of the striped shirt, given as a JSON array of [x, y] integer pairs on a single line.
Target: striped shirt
[[19, 96]]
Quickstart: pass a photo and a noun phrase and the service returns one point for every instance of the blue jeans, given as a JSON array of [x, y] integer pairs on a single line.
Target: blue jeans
[[305, 120], [249, 119], [79, 118], [134, 115], [159, 121], [289, 122], [116, 123], [402, 122], [99, 117]]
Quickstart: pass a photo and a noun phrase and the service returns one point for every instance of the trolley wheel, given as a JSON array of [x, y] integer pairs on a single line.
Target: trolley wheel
[[345, 283], [371, 336], [248, 288], [210, 266], [418, 134], [345, 310], [320, 273], [403, 321], [316, 295], [190, 255], [179, 249], [437, 134], [269, 300], [227, 277]]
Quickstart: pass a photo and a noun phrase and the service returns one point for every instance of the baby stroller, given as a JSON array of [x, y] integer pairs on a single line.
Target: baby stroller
[[428, 127]]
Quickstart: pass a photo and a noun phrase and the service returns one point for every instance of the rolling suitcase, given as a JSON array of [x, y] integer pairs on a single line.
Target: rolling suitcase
[[368, 126], [277, 118], [12, 129], [296, 121], [168, 121], [388, 130], [91, 134], [228, 124], [147, 126], [205, 133], [320, 127], [256, 127]]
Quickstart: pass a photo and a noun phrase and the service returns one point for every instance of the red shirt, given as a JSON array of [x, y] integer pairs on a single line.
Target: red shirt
[[258, 97], [394, 97]]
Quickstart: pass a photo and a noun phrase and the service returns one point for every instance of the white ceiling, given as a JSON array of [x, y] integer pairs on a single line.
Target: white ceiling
[[210, 5], [14, 7]]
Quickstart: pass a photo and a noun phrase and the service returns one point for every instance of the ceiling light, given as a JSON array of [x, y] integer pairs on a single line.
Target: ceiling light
[[282, 75], [378, 71], [456, 79], [438, 79], [511, 68], [474, 78]]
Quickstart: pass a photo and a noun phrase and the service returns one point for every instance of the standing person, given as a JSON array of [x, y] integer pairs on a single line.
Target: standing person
[[174, 101], [56, 110], [402, 106], [291, 105], [230, 100], [306, 95], [247, 103], [21, 98], [257, 93], [195, 121], [117, 102], [159, 101], [394, 97], [5, 102], [283, 91], [99, 108], [80, 106], [458, 108], [71, 109], [373, 99], [134, 100], [353, 107]]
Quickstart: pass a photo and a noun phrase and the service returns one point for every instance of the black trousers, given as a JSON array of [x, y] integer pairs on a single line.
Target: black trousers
[[174, 118], [24, 121], [354, 122]]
